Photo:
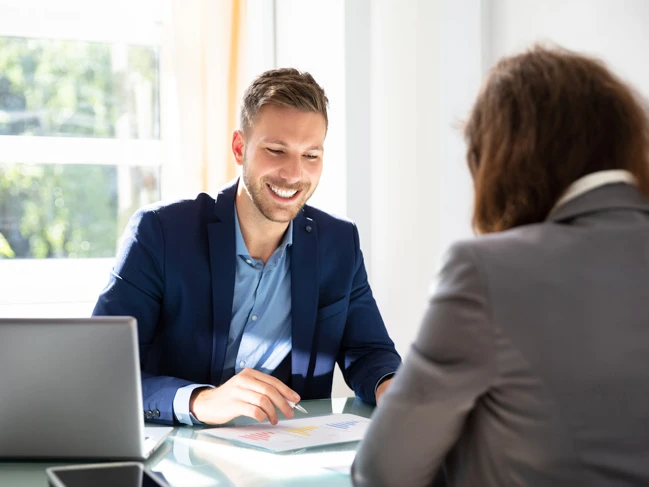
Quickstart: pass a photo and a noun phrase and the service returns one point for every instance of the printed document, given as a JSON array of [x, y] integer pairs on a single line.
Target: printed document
[[295, 434]]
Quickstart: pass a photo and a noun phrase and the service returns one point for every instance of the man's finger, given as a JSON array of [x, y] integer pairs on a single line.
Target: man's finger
[[282, 388], [260, 401], [252, 411], [267, 390]]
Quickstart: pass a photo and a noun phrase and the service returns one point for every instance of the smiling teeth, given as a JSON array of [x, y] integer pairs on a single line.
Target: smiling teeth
[[283, 193]]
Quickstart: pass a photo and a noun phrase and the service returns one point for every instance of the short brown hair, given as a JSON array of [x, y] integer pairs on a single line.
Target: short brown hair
[[542, 120], [286, 87]]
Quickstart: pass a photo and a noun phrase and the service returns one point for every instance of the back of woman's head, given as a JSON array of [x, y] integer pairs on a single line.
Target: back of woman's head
[[542, 120]]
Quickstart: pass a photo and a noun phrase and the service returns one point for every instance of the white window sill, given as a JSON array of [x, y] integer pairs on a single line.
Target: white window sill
[[47, 310], [51, 287]]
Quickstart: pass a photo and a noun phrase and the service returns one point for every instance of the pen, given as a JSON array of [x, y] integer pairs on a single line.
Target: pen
[[297, 406]]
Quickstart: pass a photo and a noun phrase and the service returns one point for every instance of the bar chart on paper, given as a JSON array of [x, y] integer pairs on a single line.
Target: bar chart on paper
[[293, 434]]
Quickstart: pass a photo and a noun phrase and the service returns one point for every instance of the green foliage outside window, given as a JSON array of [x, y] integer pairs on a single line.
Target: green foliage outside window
[[69, 89], [65, 210]]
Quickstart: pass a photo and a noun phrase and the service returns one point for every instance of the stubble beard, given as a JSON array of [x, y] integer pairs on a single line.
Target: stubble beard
[[257, 192]]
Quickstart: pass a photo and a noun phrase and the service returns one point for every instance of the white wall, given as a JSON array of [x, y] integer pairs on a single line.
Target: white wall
[[404, 174], [614, 30], [260, 38], [358, 114], [424, 68], [460, 72]]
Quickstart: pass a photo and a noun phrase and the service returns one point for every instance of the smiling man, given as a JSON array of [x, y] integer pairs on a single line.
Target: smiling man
[[247, 301]]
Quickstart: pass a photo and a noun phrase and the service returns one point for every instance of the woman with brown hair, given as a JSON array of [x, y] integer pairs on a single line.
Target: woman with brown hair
[[531, 366]]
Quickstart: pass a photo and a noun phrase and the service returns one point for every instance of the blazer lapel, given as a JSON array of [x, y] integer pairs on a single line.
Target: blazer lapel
[[221, 237], [304, 298]]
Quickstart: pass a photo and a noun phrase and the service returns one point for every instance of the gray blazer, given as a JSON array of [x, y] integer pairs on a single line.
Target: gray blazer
[[531, 367]]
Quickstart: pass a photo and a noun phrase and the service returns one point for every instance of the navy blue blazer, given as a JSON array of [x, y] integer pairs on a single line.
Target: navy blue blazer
[[175, 274]]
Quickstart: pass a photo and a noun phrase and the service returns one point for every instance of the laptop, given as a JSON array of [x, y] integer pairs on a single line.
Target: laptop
[[70, 388]]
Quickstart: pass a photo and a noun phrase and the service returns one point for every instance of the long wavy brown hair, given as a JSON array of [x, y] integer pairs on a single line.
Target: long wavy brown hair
[[542, 120]]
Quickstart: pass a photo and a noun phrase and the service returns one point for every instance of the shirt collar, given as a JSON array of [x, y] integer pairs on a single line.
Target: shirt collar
[[240, 244], [591, 181]]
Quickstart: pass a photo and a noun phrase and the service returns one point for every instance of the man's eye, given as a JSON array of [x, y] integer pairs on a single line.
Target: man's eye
[[275, 151], [311, 156]]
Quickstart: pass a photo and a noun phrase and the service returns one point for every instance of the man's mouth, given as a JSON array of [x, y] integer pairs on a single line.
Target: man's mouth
[[282, 193]]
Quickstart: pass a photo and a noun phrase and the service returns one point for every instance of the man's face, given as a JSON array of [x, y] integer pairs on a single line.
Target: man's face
[[282, 160]]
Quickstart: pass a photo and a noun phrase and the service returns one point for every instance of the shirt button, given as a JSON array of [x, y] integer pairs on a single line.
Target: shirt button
[[248, 261], [254, 317], [242, 364]]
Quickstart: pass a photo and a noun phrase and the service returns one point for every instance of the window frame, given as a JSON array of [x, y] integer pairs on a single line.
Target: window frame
[[39, 287]]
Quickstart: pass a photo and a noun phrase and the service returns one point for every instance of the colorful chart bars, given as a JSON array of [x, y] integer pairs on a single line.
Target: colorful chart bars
[[261, 436], [304, 430], [344, 425]]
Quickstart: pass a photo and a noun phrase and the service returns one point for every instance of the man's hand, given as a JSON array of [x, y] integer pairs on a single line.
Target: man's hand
[[249, 393], [381, 389]]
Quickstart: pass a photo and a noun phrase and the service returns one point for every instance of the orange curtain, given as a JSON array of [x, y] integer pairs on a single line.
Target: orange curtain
[[235, 52], [234, 70], [202, 83]]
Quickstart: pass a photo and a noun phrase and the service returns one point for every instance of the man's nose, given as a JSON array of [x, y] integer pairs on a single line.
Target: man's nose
[[291, 170]]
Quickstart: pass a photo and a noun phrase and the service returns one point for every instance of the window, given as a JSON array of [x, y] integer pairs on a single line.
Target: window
[[61, 89], [80, 139]]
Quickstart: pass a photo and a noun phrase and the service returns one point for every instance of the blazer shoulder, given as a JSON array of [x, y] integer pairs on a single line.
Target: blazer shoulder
[[516, 238], [516, 251], [201, 207]]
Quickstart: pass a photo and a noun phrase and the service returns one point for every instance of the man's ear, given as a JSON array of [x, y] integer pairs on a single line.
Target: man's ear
[[238, 146]]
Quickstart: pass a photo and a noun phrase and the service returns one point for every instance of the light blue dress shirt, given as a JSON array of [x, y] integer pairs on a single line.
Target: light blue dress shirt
[[260, 328]]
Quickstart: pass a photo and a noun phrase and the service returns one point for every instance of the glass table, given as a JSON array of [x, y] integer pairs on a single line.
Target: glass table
[[189, 458]]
